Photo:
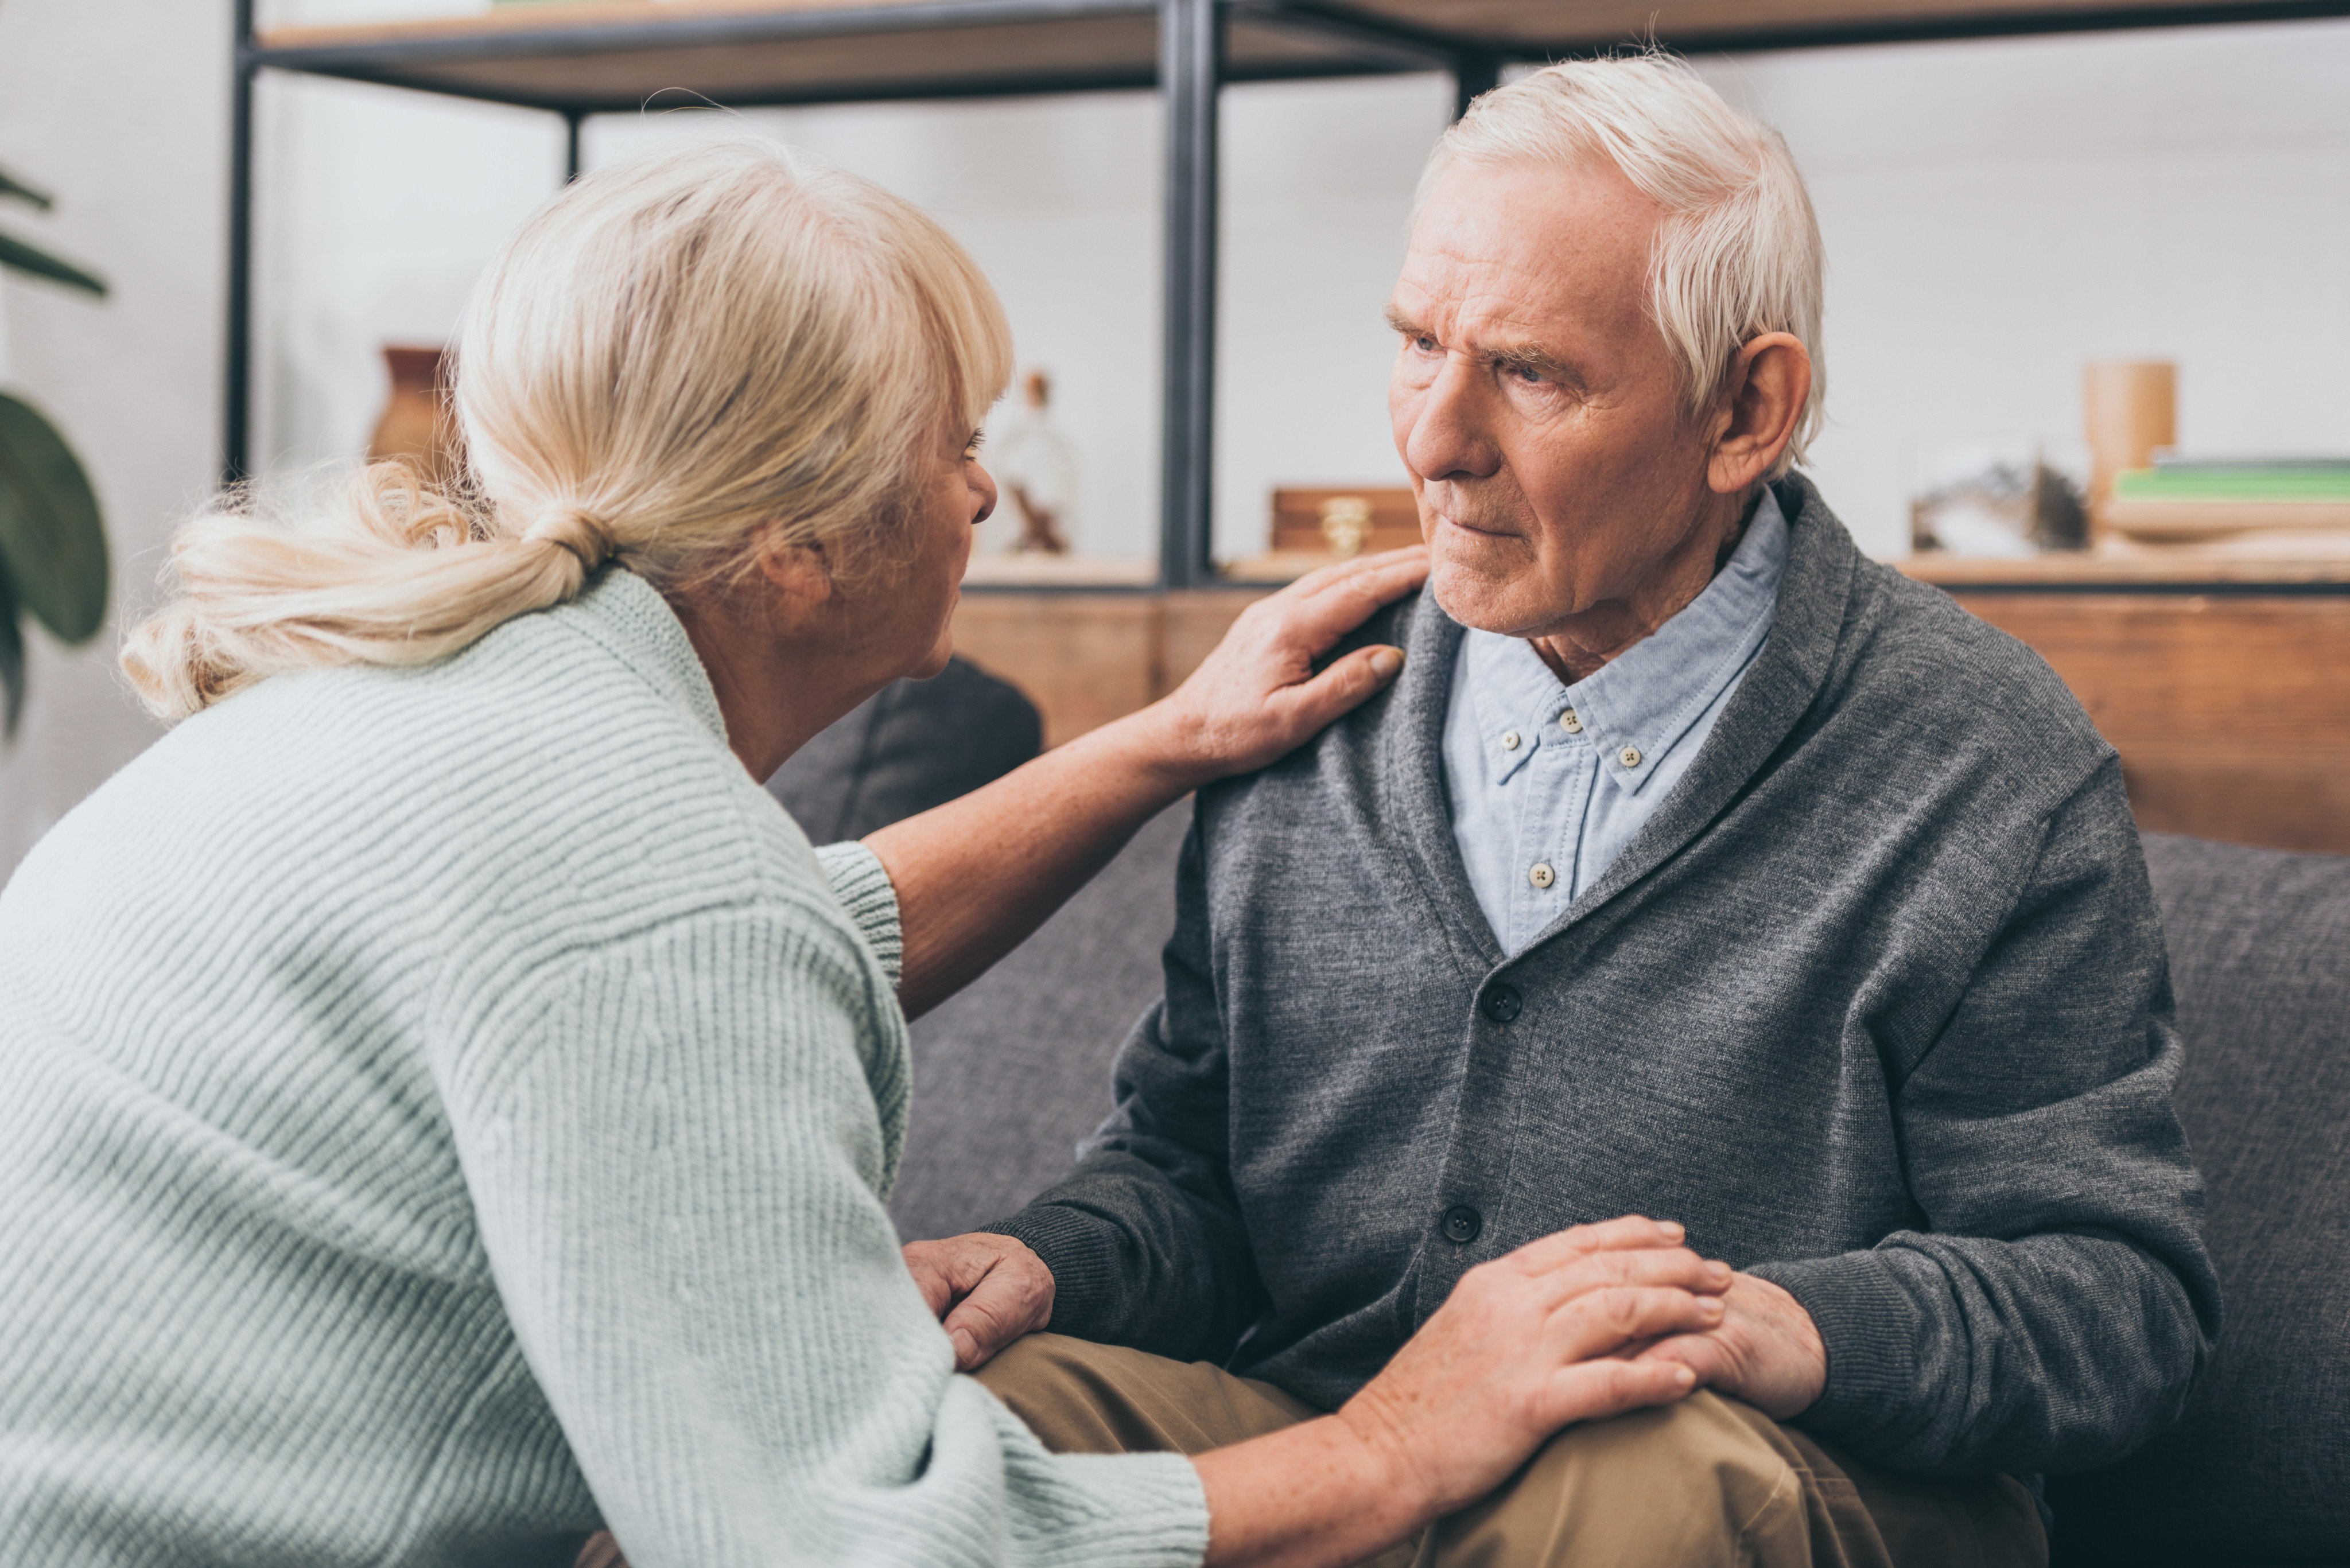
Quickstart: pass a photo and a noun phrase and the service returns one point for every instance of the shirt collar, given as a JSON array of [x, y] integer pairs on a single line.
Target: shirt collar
[[1635, 709]]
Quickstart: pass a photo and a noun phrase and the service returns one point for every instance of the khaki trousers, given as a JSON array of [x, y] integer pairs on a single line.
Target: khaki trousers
[[1706, 1481]]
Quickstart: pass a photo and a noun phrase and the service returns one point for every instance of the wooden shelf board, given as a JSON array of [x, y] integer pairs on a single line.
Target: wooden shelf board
[[2086, 569], [1061, 572], [1543, 28], [615, 56]]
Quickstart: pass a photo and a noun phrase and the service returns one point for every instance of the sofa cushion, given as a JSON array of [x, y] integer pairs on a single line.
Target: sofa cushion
[[1012, 1072], [2259, 1472]]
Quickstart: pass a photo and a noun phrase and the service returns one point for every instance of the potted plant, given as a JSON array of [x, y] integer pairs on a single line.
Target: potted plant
[[52, 548]]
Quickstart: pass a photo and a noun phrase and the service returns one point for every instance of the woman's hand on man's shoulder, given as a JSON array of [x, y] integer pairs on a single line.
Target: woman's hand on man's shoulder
[[1258, 697]]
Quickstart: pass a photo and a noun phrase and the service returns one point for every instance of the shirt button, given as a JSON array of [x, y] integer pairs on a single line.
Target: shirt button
[[1541, 876], [1629, 756], [1461, 1224], [1502, 1003], [1570, 723], [1509, 740]]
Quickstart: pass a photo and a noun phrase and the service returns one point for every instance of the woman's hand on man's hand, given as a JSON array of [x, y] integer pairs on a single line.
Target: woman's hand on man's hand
[[1258, 697], [1532, 1342], [986, 1290], [1529, 1343]]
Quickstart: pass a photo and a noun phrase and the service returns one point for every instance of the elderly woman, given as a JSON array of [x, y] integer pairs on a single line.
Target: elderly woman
[[446, 1106]]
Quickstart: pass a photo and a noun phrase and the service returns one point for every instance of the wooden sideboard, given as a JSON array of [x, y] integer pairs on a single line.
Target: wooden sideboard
[[2224, 685]]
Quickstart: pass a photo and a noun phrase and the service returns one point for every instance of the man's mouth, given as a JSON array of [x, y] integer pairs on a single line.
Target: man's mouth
[[1484, 529]]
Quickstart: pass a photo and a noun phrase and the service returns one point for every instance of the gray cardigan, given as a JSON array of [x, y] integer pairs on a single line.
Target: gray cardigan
[[1876, 1004]]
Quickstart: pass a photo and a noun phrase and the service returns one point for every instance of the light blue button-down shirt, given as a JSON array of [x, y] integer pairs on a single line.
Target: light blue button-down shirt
[[1549, 782]]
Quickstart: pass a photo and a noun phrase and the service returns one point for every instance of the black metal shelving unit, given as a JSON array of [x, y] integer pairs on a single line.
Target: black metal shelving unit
[[580, 60]]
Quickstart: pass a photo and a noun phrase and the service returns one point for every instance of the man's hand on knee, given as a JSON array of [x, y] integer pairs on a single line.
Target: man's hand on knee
[[987, 1289], [1766, 1350]]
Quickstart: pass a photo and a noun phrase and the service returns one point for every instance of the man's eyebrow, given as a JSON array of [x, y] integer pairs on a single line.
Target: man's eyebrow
[[1522, 355], [1525, 356]]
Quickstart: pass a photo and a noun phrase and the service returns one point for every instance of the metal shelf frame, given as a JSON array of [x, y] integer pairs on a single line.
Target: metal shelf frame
[[1195, 58]]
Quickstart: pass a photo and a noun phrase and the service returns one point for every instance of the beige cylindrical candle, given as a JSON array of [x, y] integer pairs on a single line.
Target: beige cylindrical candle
[[2132, 408]]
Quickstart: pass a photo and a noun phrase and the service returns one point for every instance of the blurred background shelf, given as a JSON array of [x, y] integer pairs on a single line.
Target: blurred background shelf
[[580, 59], [1078, 571], [2223, 679], [2167, 569], [596, 58], [611, 58]]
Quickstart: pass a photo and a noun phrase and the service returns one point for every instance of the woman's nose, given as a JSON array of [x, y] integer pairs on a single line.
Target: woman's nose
[[982, 485]]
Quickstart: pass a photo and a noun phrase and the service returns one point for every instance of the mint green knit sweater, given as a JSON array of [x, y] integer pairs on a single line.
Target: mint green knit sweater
[[442, 1109]]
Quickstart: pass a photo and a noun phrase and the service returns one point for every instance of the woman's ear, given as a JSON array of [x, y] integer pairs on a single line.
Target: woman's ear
[[804, 572]]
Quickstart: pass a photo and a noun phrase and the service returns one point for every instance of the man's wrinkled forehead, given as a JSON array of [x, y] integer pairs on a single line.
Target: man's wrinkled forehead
[[1522, 249]]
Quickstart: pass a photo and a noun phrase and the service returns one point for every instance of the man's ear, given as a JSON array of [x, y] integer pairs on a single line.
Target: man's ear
[[804, 572], [1769, 381]]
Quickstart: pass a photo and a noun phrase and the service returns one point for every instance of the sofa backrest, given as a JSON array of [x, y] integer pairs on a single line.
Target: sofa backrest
[[2259, 1472], [1010, 1074], [912, 746]]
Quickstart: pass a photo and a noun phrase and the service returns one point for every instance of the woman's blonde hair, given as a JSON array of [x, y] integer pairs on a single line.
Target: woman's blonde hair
[[675, 363], [1738, 252]]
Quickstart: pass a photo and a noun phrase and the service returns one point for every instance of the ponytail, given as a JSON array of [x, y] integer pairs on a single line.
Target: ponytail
[[674, 363], [391, 573]]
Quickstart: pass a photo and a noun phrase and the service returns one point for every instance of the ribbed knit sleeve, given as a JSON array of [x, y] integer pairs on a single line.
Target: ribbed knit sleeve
[[673, 1152], [866, 892]]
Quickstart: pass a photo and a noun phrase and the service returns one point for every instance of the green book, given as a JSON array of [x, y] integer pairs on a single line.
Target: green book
[[2216, 481]]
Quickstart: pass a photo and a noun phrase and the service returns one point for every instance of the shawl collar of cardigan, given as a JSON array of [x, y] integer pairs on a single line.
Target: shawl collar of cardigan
[[1787, 677]]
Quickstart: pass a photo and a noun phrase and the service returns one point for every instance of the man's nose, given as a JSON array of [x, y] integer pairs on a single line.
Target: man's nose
[[1449, 438]]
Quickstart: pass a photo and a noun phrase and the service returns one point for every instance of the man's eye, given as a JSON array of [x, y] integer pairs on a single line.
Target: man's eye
[[1527, 374], [1425, 344]]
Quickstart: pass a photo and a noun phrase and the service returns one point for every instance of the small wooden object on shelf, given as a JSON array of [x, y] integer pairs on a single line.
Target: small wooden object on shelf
[[1314, 526], [417, 423], [2131, 411]]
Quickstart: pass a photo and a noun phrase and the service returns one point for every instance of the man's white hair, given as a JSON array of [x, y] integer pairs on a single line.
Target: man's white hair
[[1738, 252]]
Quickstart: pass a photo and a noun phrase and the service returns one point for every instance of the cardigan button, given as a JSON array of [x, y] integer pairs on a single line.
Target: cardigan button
[[1502, 1003], [1461, 1224]]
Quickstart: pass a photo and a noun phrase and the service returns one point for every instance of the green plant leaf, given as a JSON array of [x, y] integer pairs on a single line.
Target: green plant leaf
[[14, 253], [12, 660], [51, 542], [12, 186]]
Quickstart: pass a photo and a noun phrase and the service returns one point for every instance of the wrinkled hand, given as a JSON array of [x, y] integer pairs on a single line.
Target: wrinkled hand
[[1257, 697], [986, 1290], [1765, 1350], [1527, 1343]]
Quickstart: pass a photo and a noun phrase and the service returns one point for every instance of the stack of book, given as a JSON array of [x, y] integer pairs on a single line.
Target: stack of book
[[2252, 506]]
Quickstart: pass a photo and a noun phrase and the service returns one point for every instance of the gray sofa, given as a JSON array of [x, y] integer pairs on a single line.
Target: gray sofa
[[1012, 1072]]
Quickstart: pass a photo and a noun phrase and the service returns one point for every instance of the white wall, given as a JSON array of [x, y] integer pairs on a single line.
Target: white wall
[[1998, 213], [1995, 215], [122, 111]]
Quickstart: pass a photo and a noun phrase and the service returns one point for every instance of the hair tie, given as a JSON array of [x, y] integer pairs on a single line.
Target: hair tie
[[575, 531]]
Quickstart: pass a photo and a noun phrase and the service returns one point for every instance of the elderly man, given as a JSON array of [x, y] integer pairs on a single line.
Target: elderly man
[[1697, 866]]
